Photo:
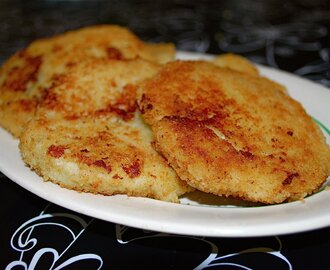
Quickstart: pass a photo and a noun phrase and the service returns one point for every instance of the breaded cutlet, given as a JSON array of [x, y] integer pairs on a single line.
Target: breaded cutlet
[[25, 76], [232, 133], [87, 134]]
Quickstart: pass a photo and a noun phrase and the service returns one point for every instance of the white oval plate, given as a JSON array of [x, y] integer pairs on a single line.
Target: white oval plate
[[203, 216]]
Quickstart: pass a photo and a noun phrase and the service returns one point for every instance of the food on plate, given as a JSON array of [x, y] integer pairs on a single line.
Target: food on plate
[[75, 102], [87, 134], [25, 76], [234, 133]]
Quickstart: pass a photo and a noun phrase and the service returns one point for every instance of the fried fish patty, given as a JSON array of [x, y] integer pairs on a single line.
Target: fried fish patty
[[25, 75], [87, 134], [234, 134]]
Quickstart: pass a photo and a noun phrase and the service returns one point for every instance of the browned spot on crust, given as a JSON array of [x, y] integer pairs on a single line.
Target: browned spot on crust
[[92, 162], [27, 105], [51, 101], [56, 151], [116, 176], [22, 53], [113, 83], [96, 184], [145, 105], [133, 169], [70, 64], [19, 77], [290, 133], [190, 124], [247, 154], [72, 117], [123, 114], [114, 53], [57, 48], [102, 164], [125, 105], [288, 180]]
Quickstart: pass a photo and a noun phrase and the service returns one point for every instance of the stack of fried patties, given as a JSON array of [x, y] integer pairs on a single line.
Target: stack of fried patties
[[71, 101], [75, 102]]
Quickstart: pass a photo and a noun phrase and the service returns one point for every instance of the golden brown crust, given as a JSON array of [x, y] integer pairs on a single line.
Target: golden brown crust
[[25, 76], [234, 134], [235, 62], [88, 136]]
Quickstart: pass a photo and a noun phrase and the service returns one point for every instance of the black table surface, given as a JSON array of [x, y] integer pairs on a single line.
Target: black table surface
[[289, 35]]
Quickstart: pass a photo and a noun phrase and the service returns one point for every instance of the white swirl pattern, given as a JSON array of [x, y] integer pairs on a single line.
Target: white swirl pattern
[[214, 259], [23, 241]]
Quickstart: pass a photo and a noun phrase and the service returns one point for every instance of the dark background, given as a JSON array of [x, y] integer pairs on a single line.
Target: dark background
[[290, 35], [284, 34]]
